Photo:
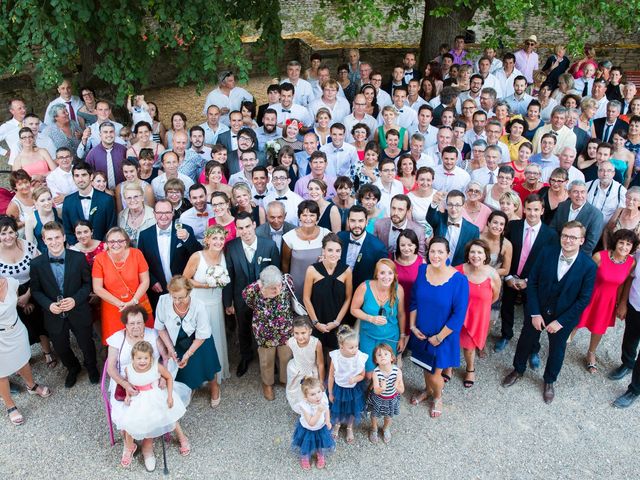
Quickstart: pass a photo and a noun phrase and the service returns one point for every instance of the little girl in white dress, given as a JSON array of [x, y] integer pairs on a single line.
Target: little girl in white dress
[[307, 361]]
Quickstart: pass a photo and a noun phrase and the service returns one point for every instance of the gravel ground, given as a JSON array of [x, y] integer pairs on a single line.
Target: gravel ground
[[485, 432]]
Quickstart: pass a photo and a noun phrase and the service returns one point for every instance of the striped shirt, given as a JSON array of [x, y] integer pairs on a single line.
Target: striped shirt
[[390, 390]]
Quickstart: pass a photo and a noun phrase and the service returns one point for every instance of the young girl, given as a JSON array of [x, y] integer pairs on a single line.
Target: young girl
[[345, 374], [311, 436], [384, 398], [153, 411], [307, 361]]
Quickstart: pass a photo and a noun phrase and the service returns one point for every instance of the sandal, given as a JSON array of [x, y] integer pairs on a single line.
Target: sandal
[[127, 455], [304, 463], [15, 416], [436, 408], [373, 436], [419, 398], [446, 377], [350, 438], [320, 463], [50, 358], [215, 402], [185, 447], [39, 390], [335, 431], [592, 367], [468, 383], [386, 435]]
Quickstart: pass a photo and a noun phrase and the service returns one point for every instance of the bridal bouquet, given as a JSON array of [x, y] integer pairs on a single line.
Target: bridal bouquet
[[217, 276], [272, 149]]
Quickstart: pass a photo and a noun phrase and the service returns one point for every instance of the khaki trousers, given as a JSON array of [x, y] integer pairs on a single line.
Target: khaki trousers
[[267, 356]]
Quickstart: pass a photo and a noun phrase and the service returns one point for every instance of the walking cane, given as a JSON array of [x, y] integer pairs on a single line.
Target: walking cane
[[164, 457]]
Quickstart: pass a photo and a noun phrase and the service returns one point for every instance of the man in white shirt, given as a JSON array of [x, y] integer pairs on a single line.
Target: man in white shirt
[[475, 87], [424, 127], [477, 132], [488, 98], [416, 152], [196, 134], [566, 158], [519, 101], [91, 134], [383, 97], [337, 106], [287, 109], [212, 127], [448, 175], [414, 100], [269, 131], [359, 115], [248, 161], [489, 79], [260, 186], [197, 217], [318, 171], [303, 90], [9, 129], [32, 122], [564, 135], [546, 158], [599, 94], [170, 164], [282, 194], [606, 194], [341, 156], [227, 96], [71, 102], [324, 75], [407, 117], [494, 132], [388, 185], [507, 74], [60, 181], [496, 63], [488, 174]]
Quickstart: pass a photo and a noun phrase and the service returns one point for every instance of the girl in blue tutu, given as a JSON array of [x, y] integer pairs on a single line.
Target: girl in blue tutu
[[312, 436], [384, 398], [346, 386]]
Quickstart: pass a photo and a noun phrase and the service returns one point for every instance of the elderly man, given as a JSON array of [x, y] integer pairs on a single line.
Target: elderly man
[[494, 132], [310, 144], [190, 162], [488, 98], [276, 225], [303, 89], [9, 129], [227, 96], [108, 155], [507, 74], [605, 193], [564, 135], [519, 101], [212, 127], [566, 158], [365, 73], [630, 91], [527, 58], [66, 98], [444, 138], [488, 174], [359, 115], [604, 128], [91, 134]]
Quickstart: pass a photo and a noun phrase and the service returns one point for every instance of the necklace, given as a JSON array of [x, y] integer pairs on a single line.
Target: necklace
[[612, 257], [117, 265], [180, 312]]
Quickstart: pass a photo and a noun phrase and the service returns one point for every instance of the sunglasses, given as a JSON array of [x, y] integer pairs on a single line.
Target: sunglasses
[[382, 312]]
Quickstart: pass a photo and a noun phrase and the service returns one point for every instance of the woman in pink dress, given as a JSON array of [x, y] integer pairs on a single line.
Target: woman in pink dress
[[407, 263], [222, 215], [614, 267], [484, 289]]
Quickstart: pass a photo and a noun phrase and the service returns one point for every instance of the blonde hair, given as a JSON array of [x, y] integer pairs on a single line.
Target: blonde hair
[[215, 230], [240, 186], [512, 197], [131, 186], [393, 288], [345, 332], [178, 282], [39, 191], [588, 102], [142, 347], [390, 108], [309, 383]]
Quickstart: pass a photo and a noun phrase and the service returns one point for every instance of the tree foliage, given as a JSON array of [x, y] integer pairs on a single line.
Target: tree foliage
[[120, 41]]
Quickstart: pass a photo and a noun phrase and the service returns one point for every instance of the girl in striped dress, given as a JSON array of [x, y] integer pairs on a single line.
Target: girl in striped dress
[[384, 398]]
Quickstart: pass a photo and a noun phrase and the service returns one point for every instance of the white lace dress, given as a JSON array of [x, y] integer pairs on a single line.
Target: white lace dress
[[303, 364]]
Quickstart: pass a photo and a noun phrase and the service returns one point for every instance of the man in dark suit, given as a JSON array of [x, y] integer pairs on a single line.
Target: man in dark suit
[[166, 249], [396, 80], [246, 257], [275, 226], [360, 250], [560, 289], [528, 237], [410, 72], [229, 140], [87, 204], [61, 284], [604, 128], [450, 224], [388, 229], [577, 208]]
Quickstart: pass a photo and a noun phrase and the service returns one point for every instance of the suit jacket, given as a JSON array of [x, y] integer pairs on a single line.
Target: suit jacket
[[265, 232], [468, 232], [589, 216], [371, 251], [573, 292], [76, 284], [383, 225], [582, 138], [102, 214], [242, 273], [233, 163], [546, 236], [599, 123], [181, 251]]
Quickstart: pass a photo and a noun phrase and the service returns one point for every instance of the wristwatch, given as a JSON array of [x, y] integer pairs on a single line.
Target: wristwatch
[[314, 322]]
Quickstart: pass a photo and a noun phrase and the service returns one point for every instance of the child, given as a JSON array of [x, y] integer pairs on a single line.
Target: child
[[384, 398], [345, 374], [312, 433], [139, 110], [307, 361], [125, 135], [153, 411]]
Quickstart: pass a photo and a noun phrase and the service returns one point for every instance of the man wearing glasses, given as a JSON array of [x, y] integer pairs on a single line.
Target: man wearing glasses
[[283, 194], [527, 58], [60, 181], [605, 193], [359, 115]]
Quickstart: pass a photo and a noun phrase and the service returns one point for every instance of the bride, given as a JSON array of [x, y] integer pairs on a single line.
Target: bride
[[207, 271]]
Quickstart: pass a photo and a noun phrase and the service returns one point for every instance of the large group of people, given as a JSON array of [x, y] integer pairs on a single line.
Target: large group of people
[[336, 232]]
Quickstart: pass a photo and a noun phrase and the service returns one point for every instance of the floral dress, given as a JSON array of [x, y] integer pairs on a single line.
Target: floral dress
[[272, 317]]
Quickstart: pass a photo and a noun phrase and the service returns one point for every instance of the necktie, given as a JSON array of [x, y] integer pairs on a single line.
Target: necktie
[[57, 260], [165, 233], [492, 178], [281, 198], [72, 112], [234, 136], [202, 214], [111, 173], [607, 130], [585, 90], [396, 229], [526, 249], [84, 197], [354, 242], [308, 166], [249, 252], [453, 224], [566, 260], [258, 196]]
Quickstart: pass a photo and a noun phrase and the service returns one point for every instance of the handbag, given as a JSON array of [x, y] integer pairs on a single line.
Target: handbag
[[298, 307], [120, 393]]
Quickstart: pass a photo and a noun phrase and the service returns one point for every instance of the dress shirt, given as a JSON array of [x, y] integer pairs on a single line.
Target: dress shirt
[[340, 159], [519, 105], [506, 81], [464, 96], [339, 110], [383, 98], [94, 138], [211, 135], [394, 233], [86, 204], [302, 160], [457, 179], [157, 184], [425, 161], [527, 63], [303, 92], [534, 233], [574, 212], [471, 136], [482, 175], [491, 81], [551, 161], [204, 153], [602, 108], [258, 197], [317, 91], [387, 193], [276, 236], [290, 203], [607, 199], [197, 221], [294, 111], [236, 96], [264, 137], [349, 121], [563, 267], [417, 104], [240, 177], [303, 183], [250, 250], [98, 158], [353, 249], [453, 235], [58, 270], [496, 64], [191, 165], [61, 182], [9, 133], [430, 136], [460, 58], [164, 249]]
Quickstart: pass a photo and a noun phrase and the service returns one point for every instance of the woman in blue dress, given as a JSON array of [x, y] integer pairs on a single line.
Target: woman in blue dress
[[379, 305], [437, 311]]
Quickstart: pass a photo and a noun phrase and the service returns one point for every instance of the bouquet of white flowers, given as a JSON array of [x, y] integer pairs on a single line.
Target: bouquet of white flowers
[[272, 149], [217, 276]]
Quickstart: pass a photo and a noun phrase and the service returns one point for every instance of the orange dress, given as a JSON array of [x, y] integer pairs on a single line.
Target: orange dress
[[121, 283]]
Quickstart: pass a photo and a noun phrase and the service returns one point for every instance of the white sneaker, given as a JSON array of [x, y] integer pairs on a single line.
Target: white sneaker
[[150, 463]]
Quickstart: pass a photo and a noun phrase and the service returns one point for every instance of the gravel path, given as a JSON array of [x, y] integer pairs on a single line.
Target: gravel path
[[485, 432]]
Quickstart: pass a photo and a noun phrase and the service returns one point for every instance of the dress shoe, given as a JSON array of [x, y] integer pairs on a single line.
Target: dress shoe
[[501, 345], [623, 401], [243, 366], [534, 361], [549, 393], [267, 391], [511, 379], [619, 373], [94, 377], [72, 378]]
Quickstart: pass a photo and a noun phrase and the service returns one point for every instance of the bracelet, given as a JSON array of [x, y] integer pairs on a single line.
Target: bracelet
[[314, 322], [403, 335], [438, 338]]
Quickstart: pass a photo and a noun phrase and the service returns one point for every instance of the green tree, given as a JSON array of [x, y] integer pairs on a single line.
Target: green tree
[[443, 19], [118, 42]]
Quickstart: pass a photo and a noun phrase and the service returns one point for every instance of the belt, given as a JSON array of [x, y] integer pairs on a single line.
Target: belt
[[11, 327], [144, 388]]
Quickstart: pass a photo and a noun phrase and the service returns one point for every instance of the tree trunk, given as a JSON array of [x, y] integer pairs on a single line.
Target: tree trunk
[[88, 60], [441, 30]]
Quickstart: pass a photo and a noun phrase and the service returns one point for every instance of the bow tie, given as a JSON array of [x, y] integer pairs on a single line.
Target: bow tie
[[202, 214], [396, 229], [281, 198], [453, 224], [285, 111], [401, 110], [83, 197], [336, 150], [234, 136], [56, 260], [199, 152], [354, 242], [258, 196], [566, 260], [448, 174], [163, 233]]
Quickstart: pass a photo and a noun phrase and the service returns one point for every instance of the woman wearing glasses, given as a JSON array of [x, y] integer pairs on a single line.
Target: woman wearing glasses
[[120, 278]]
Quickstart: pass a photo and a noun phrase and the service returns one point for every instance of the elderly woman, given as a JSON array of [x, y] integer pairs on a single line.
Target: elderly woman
[[270, 299], [474, 210], [302, 246], [379, 305], [627, 217], [366, 171], [183, 325], [120, 278], [14, 350], [131, 172], [35, 161], [360, 133], [588, 107], [504, 183], [565, 87], [22, 203], [532, 182], [137, 216], [63, 131], [87, 114], [503, 113], [120, 344], [43, 213]]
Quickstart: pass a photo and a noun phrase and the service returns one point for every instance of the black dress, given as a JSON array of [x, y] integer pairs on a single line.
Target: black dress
[[327, 297], [548, 214], [325, 219]]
